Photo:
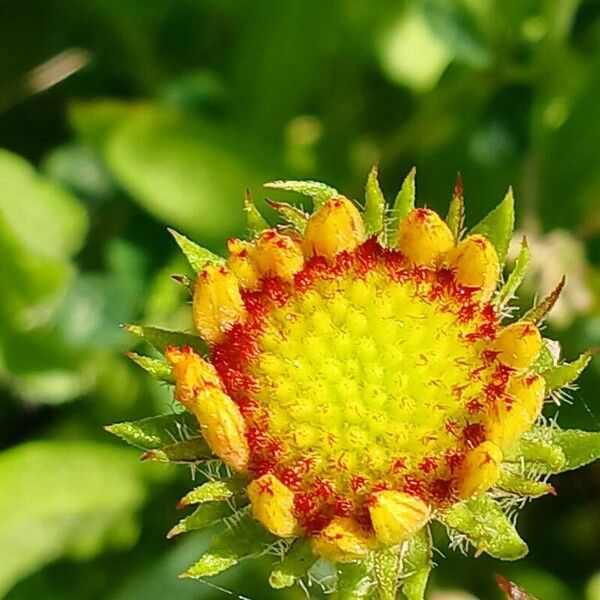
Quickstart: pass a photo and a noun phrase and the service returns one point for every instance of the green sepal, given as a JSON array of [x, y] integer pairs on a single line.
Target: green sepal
[[538, 453], [511, 480], [545, 359], [386, 566], [516, 276], [416, 565], [256, 222], [403, 204], [206, 515], [213, 491], [185, 281], [355, 581], [484, 524], [539, 311], [197, 256], [578, 447], [192, 450], [161, 338], [455, 219], [319, 192], [374, 205], [156, 368], [243, 539], [292, 214], [559, 376], [294, 565], [498, 225], [155, 432]]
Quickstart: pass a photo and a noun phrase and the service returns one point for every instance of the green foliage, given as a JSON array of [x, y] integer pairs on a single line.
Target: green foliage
[[203, 517], [59, 506], [213, 491], [417, 564], [197, 256], [319, 192], [374, 205], [161, 338], [516, 276], [354, 581], [403, 204], [561, 375], [294, 565]]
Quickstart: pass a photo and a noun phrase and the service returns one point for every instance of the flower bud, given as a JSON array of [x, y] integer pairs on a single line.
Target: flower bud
[[273, 505], [343, 540], [518, 345], [217, 302], [241, 264], [480, 470], [334, 227], [397, 516], [476, 265], [278, 254], [424, 238]]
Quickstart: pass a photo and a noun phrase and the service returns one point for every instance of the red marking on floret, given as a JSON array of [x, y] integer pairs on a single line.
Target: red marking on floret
[[367, 256], [420, 273], [306, 464], [413, 486], [453, 459], [398, 465], [474, 406], [266, 487], [342, 506], [458, 390], [442, 491], [428, 465], [395, 264], [342, 263], [247, 406], [451, 426], [489, 313], [489, 356], [380, 486], [494, 391], [357, 483], [276, 290], [322, 488], [304, 504], [303, 280], [256, 304], [258, 468], [316, 522], [474, 434], [502, 373], [467, 313], [422, 214], [363, 517], [487, 331], [290, 477], [257, 437]]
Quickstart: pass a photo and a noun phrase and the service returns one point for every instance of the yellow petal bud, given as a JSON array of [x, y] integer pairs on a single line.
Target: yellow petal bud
[[480, 470], [343, 540], [334, 227], [223, 427], [273, 505], [514, 419], [518, 345], [423, 237], [192, 373], [217, 302], [397, 516], [241, 263], [278, 254], [476, 265]]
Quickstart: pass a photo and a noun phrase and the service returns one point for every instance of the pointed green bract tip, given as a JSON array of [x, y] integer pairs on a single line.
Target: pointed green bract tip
[[319, 192], [256, 222], [373, 215], [196, 256]]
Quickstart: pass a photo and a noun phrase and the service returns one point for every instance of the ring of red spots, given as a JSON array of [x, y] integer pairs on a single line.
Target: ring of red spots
[[315, 500]]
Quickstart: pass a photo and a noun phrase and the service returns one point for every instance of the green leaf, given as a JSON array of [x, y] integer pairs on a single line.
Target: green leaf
[[355, 581], [374, 205], [64, 499], [536, 451], [538, 313], [204, 516], [516, 277], [158, 369], [192, 450], [498, 225], [546, 358], [294, 565], [161, 338], [511, 480], [291, 214], [416, 565], [578, 447], [155, 432], [561, 375], [456, 213], [197, 256], [485, 525], [256, 222], [386, 566], [214, 491], [403, 204], [319, 192], [244, 539]]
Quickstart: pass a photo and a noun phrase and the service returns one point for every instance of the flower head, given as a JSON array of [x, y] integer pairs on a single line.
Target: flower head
[[361, 378]]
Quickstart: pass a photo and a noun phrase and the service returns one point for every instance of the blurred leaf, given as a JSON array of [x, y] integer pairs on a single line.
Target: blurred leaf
[[486, 527], [294, 565], [155, 432], [64, 499], [245, 538], [498, 225]]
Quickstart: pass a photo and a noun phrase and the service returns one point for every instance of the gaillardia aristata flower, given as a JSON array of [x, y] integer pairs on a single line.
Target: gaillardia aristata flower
[[356, 378]]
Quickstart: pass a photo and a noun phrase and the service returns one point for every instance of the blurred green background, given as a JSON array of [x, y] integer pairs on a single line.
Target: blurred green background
[[182, 105]]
